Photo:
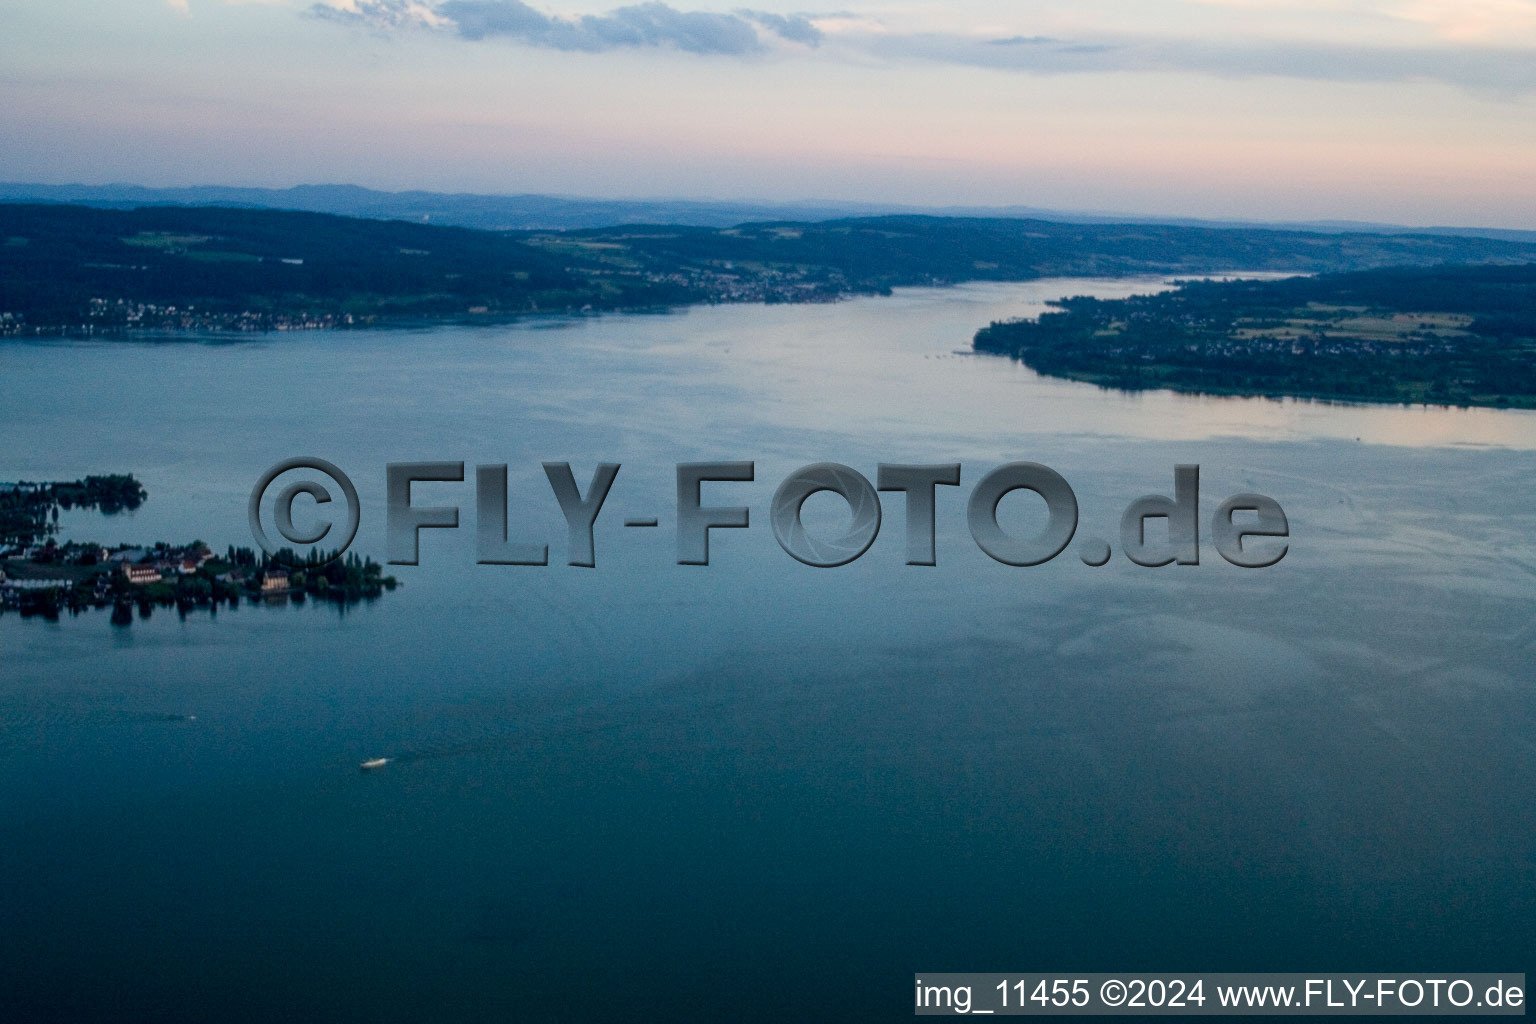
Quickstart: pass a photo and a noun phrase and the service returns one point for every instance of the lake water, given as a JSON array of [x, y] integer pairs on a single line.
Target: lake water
[[757, 790]]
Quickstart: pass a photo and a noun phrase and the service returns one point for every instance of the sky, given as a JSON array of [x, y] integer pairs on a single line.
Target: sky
[[1404, 111]]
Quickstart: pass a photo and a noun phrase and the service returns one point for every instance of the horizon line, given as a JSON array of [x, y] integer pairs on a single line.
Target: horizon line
[[1020, 210]]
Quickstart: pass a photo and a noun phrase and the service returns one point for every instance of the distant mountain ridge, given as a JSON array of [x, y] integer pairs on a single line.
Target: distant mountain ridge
[[538, 212], [528, 212]]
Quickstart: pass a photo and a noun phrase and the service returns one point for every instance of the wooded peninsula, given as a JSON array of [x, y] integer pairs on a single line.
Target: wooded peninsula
[[1450, 335]]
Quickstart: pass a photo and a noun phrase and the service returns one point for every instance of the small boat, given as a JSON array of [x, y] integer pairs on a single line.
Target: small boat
[[374, 763]]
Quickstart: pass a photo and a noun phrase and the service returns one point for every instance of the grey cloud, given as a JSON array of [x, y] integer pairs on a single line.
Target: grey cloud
[[634, 26], [373, 13], [1506, 72], [1021, 41], [797, 28], [652, 24], [478, 20]]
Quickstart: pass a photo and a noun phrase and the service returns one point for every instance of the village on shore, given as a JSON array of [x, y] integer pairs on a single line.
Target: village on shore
[[40, 575], [51, 578]]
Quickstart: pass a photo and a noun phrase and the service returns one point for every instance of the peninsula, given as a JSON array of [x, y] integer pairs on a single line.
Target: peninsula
[[1447, 335]]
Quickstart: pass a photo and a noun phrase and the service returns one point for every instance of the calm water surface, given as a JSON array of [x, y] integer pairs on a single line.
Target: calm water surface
[[758, 789]]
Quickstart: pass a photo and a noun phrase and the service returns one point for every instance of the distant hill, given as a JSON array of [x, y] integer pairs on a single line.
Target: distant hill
[[486, 212], [1454, 335], [76, 268], [547, 212], [875, 253]]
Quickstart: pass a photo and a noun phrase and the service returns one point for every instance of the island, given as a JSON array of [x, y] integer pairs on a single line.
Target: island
[[1443, 335], [42, 576]]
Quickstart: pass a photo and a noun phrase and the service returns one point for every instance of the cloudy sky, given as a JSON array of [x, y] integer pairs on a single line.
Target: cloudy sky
[[1412, 111]]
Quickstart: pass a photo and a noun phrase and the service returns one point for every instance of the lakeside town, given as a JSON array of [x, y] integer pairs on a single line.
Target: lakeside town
[[39, 575], [116, 316]]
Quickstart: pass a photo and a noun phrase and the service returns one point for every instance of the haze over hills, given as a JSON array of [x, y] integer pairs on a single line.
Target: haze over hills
[[550, 212]]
